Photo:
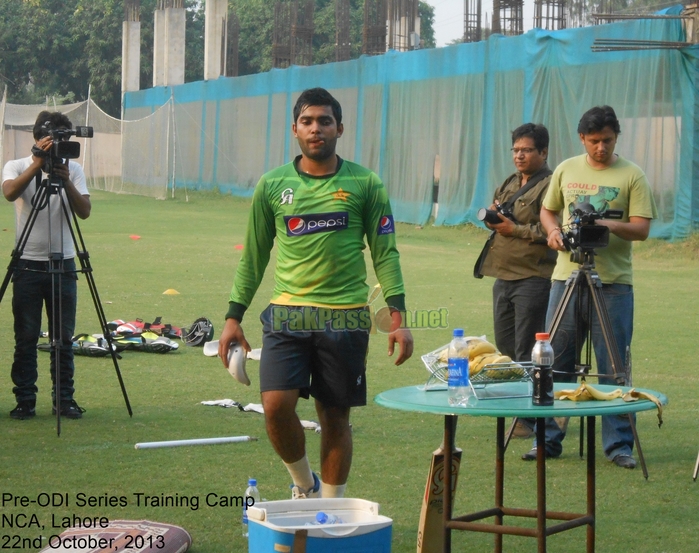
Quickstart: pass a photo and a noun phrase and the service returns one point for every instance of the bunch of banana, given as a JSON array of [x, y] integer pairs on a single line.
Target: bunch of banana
[[476, 347], [500, 373], [482, 353]]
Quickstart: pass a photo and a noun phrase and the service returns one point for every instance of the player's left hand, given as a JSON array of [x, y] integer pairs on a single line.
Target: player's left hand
[[402, 337]]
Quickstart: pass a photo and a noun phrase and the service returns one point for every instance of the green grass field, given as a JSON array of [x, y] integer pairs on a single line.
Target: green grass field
[[190, 247]]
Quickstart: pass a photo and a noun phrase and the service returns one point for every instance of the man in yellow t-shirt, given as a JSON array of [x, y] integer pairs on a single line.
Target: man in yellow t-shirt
[[604, 180]]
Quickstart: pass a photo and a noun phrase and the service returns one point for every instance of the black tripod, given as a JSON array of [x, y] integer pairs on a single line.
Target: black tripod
[[586, 278], [45, 190]]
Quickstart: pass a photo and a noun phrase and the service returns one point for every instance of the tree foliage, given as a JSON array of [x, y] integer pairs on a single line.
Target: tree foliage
[[58, 48], [426, 13]]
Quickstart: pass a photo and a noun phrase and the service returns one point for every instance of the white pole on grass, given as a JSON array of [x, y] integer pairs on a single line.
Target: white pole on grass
[[202, 441]]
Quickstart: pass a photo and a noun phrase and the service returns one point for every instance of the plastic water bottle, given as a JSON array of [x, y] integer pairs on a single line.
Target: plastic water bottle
[[542, 358], [327, 518], [460, 391], [253, 493]]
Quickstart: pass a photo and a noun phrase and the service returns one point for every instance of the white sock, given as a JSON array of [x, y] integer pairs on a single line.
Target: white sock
[[301, 473], [330, 490]]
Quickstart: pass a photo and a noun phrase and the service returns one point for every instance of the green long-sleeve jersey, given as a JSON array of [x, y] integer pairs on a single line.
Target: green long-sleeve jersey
[[320, 224]]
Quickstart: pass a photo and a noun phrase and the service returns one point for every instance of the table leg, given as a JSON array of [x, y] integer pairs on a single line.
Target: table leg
[[541, 484], [500, 446], [591, 484], [641, 458], [449, 431]]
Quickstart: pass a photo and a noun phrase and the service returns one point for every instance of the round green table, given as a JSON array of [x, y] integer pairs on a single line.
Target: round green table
[[500, 404]]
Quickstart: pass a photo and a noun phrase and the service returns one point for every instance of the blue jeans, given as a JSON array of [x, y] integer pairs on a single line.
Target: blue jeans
[[31, 290], [617, 437]]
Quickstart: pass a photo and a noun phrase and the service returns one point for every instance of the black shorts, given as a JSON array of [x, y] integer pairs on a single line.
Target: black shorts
[[320, 352]]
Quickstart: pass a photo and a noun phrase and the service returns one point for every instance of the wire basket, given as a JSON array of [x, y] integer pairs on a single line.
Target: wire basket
[[493, 373], [439, 371]]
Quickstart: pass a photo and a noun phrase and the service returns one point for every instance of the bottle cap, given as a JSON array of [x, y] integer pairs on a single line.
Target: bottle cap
[[542, 336], [458, 332], [321, 517], [252, 482]]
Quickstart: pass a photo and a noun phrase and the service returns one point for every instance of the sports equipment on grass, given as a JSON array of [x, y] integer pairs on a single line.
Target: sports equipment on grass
[[201, 331], [430, 533], [198, 441]]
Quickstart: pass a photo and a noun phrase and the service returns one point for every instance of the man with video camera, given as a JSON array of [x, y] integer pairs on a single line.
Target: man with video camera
[[517, 254], [49, 252], [601, 180]]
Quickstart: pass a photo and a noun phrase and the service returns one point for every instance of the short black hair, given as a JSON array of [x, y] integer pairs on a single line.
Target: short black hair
[[597, 118], [538, 133], [317, 97], [55, 120]]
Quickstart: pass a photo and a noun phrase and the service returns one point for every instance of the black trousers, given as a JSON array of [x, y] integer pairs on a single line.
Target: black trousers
[[32, 290], [519, 312]]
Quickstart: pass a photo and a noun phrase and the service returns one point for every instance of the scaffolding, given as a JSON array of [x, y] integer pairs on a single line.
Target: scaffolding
[[232, 46], [342, 32], [473, 32], [292, 36], [302, 33], [508, 17], [403, 25], [164, 4], [550, 14], [281, 35], [374, 32], [579, 13], [132, 10]]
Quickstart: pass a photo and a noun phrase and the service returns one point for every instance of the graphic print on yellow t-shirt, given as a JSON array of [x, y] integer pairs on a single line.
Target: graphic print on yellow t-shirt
[[598, 196]]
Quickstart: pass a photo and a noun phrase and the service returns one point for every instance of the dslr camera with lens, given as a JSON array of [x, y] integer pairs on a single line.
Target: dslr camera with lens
[[491, 215]]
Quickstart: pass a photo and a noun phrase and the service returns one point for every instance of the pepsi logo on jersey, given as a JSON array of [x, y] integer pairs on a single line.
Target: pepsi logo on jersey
[[386, 225], [298, 225]]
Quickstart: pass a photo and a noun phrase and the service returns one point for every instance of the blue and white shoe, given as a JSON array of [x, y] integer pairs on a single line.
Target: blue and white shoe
[[301, 493]]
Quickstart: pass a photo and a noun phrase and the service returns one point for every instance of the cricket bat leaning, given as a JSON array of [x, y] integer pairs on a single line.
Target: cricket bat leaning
[[430, 533]]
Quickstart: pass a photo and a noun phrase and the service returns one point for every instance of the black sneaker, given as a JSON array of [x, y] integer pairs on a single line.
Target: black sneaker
[[624, 461], [24, 410], [531, 455], [70, 409]]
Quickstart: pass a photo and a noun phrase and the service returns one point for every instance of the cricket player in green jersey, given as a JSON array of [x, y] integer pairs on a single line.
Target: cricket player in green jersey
[[320, 209]]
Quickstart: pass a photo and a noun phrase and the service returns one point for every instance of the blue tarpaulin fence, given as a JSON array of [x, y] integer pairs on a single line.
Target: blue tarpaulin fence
[[449, 112]]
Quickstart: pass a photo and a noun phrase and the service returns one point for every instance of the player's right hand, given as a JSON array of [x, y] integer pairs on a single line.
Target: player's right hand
[[232, 334]]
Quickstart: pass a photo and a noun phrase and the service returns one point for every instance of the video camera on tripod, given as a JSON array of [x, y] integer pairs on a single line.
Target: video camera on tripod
[[583, 234], [62, 147]]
